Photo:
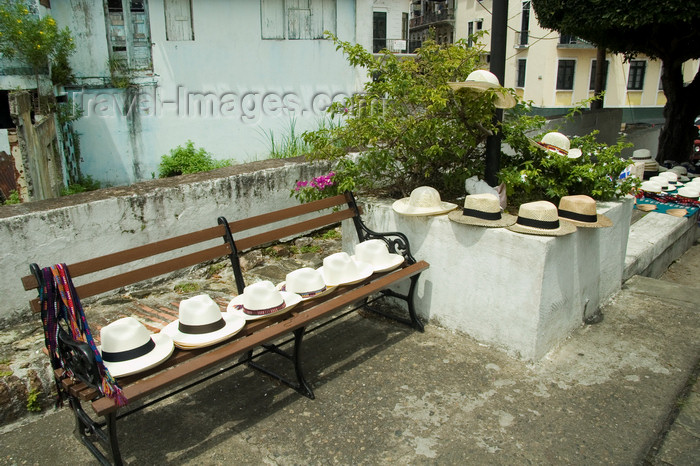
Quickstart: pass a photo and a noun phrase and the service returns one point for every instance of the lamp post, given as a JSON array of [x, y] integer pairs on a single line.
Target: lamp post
[[499, 25]]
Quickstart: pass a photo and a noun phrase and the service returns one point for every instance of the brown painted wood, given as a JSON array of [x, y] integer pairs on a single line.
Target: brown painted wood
[[194, 364]]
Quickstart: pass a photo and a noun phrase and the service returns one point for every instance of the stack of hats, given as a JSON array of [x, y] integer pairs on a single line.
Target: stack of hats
[[201, 323], [341, 269], [663, 182], [375, 252], [651, 167]]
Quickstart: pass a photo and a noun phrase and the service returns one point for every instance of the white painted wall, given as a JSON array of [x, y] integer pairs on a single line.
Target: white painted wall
[[523, 293], [4, 142]]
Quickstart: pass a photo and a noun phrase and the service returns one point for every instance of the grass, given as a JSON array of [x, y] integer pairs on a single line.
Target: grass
[[187, 287], [214, 269]]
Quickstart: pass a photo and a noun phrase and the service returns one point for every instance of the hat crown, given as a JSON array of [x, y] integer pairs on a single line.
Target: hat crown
[[483, 76], [304, 280], [660, 180], [339, 268], [424, 196], [539, 210], [670, 176], [485, 202], [680, 169], [650, 186], [199, 310], [123, 335], [261, 295], [557, 140], [641, 154], [692, 192], [371, 251], [579, 204]]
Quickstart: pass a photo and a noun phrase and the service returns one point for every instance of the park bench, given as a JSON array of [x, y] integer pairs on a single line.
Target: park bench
[[184, 369]]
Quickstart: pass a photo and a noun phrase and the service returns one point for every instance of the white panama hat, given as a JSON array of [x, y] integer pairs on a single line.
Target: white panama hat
[[482, 210], [261, 300], [672, 178], [424, 200], [663, 182], [690, 192], [482, 80], [306, 282], [341, 269], [128, 347], [581, 211], [557, 143], [541, 218], [376, 253], [650, 187], [201, 323]]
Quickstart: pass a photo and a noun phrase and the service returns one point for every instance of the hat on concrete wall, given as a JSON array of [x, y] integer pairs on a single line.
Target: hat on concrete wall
[[557, 143], [482, 210], [482, 80], [581, 211], [127, 347], [424, 200], [541, 218]]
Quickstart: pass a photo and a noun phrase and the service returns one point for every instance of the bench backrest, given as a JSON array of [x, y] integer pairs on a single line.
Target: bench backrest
[[344, 207]]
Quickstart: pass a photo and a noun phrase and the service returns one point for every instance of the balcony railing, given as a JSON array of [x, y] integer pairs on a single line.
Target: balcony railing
[[572, 42], [444, 15], [521, 39]]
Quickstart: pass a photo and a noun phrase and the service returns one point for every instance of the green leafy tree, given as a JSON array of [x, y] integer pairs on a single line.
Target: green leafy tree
[[409, 127], [36, 41], [665, 29]]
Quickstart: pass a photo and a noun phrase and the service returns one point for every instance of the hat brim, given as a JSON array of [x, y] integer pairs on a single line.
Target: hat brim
[[232, 325], [565, 228], [283, 287], [393, 261], [503, 98], [162, 351], [403, 207], [364, 270], [505, 220], [601, 222], [235, 307]]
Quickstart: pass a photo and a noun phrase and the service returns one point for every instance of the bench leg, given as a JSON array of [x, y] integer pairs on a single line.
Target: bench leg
[[301, 385], [413, 319], [90, 433]]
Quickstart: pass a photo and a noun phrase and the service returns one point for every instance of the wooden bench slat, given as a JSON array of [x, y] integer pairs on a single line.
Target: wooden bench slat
[[284, 232], [284, 214], [308, 311], [129, 255]]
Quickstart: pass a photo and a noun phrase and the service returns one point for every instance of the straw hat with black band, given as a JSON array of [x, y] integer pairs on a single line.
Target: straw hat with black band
[[581, 211]]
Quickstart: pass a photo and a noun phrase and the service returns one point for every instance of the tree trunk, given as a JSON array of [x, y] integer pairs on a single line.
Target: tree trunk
[[599, 79], [682, 106]]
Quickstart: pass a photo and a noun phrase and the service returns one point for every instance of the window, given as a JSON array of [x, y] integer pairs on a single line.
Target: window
[[479, 25], [635, 81], [525, 23], [404, 26], [565, 75], [591, 85], [297, 19], [520, 79], [470, 33], [128, 33], [661, 82], [178, 20], [567, 39], [379, 31]]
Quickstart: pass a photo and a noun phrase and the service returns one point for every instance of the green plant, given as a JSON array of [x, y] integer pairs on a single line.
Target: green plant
[[330, 234], [187, 287], [288, 145], [120, 73], [33, 403], [214, 269], [13, 198], [183, 160], [6, 373], [85, 183], [533, 174], [411, 129]]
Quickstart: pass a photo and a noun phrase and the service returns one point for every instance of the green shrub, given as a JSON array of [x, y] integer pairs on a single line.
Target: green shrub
[[33, 403], [13, 198], [183, 160], [85, 183]]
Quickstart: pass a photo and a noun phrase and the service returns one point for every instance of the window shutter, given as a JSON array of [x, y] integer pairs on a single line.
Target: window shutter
[[272, 19]]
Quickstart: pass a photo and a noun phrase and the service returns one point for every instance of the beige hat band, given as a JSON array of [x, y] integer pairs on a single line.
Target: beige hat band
[[541, 224], [578, 217], [120, 356], [201, 329], [481, 214], [306, 294]]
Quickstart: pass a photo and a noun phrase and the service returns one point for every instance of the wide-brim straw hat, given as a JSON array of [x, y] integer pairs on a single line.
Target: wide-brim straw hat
[[663, 182], [306, 282], [201, 323], [689, 192], [651, 187], [482, 80], [672, 177], [424, 200], [376, 253], [261, 300], [482, 210], [557, 143], [340, 269], [128, 347], [541, 218], [581, 211]]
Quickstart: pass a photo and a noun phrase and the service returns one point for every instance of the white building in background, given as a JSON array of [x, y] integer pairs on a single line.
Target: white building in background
[[553, 71], [151, 74]]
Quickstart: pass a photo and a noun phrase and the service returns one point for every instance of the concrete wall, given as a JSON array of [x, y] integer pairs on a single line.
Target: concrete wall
[[87, 225], [522, 293]]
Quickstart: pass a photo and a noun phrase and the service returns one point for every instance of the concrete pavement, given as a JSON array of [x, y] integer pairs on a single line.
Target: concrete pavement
[[618, 392]]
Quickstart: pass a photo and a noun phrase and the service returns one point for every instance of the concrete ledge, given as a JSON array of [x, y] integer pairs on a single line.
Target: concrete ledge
[[522, 293], [655, 241]]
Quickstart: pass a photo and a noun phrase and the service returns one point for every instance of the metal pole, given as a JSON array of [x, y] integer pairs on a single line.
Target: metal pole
[[499, 25]]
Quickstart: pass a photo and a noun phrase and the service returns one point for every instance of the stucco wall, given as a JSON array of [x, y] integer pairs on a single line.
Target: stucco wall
[[87, 225]]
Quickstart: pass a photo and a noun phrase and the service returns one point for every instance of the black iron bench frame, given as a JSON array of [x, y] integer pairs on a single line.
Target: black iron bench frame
[[258, 337]]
